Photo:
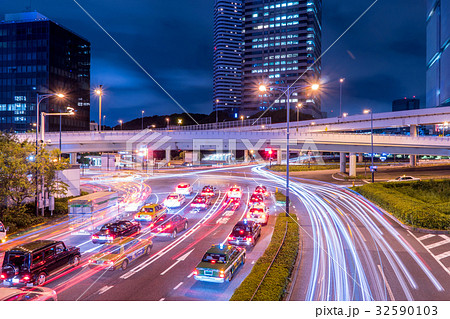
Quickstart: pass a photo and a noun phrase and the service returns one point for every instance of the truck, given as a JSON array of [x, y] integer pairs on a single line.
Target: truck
[[3, 231], [88, 212]]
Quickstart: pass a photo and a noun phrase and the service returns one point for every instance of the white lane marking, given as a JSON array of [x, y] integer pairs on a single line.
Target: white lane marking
[[175, 243], [177, 286], [162, 299], [443, 255], [179, 259], [447, 269], [89, 241], [92, 249], [190, 275], [104, 289], [439, 243], [426, 236], [388, 287]]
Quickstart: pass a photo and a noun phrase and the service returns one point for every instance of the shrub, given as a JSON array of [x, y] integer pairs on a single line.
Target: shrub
[[276, 281]]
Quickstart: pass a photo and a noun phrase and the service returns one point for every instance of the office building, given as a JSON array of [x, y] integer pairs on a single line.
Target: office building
[[438, 53], [227, 56], [405, 104], [282, 44], [38, 55]]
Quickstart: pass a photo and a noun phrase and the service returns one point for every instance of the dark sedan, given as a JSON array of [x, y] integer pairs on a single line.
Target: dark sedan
[[110, 231]]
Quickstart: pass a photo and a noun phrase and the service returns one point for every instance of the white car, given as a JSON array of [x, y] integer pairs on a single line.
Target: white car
[[184, 189], [27, 294], [259, 214], [404, 178], [234, 192], [174, 200]]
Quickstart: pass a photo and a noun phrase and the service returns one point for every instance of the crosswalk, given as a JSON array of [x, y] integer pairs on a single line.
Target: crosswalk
[[438, 246]]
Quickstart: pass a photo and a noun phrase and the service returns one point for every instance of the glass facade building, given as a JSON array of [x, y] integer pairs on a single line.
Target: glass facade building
[[39, 56], [282, 44], [227, 56], [438, 53]]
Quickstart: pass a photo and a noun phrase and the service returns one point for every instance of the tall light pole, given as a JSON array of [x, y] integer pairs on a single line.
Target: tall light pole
[[217, 114], [104, 121], [341, 82], [70, 111], [142, 119], [39, 99], [287, 91], [121, 122], [99, 92], [371, 140], [167, 120], [298, 107]]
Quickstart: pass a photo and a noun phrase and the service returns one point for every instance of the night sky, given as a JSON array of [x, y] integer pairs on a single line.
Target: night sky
[[382, 57]]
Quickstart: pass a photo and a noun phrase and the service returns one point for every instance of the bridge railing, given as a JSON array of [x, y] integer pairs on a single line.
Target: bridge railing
[[220, 125]]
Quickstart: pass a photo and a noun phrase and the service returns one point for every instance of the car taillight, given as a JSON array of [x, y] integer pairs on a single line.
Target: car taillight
[[168, 226], [195, 272], [2, 276], [231, 238], [26, 278], [94, 237], [248, 238], [263, 215], [90, 261], [222, 274]]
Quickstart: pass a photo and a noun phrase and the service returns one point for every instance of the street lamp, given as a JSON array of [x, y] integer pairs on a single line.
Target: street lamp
[[242, 120], [39, 99], [298, 107], [341, 81], [121, 122], [167, 120], [99, 92], [288, 91], [142, 119], [367, 111], [217, 115], [70, 111], [180, 121], [104, 121]]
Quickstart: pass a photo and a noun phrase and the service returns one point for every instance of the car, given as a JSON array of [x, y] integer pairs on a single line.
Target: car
[[184, 189], [234, 192], [255, 199], [3, 231], [245, 232], [219, 263], [201, 202], [174, 200], [27, 294], [208, 190], [260, 189], [169, 225], [30, 264], [404, 178], [110, 231], [150, 212], [120, 252], [258, 213]]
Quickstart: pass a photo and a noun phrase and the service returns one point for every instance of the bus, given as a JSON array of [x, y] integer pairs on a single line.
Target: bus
[[88, 212]]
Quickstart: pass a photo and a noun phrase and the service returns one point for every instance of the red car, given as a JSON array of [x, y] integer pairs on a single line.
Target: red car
[[255, 199], [208, 191], [261, 190], [169, 225], [201, 201]]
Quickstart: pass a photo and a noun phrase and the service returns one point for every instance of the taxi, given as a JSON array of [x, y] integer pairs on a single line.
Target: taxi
[[255, 199], [174, 200], [260, 189], [184, 189], [245, 232], [259, 214], [234, 192], [120, 252], [220, 263], [201, 202], [208, 190], [150, 212]]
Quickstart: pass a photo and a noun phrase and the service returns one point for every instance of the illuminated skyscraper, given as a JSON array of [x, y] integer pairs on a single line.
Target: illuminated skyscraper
[[38, 55], [228, 55], [282, 44], [438, 53]]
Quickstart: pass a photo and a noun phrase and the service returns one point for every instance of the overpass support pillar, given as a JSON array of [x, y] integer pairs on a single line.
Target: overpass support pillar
[[246, 156], [413, 133], [73, 158], [279, 156], [168, 154], [352, 169], [360, 157], [342, 162]]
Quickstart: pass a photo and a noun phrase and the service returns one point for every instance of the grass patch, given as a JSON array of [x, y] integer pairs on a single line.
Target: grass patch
[[274, 285], [423, 204]]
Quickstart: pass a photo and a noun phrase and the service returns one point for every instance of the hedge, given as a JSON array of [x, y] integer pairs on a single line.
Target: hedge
[[424, 204], [274, 285]]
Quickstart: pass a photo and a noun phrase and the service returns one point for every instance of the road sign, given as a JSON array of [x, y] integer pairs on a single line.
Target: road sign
[[373, 168]]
